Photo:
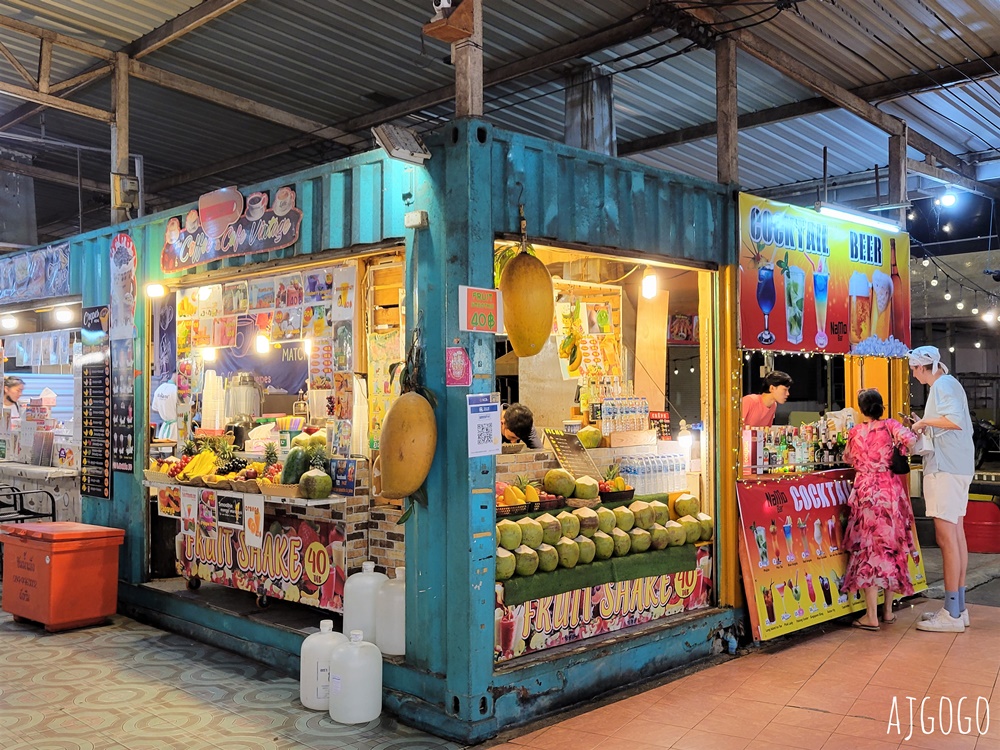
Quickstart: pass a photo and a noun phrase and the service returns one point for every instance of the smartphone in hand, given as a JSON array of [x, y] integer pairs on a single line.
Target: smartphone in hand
[[907, 418]]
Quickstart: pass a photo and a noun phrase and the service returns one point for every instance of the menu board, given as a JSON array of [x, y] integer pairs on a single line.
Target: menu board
[[123, 405], [95, 459], [571, 454], [792, 551]]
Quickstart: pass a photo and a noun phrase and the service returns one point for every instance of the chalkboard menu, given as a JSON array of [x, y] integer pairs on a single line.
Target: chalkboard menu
[[95, 459], [571, 454]]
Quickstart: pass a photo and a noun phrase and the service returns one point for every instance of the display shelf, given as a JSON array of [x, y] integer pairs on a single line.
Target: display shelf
[[31, 471], [299, 502]]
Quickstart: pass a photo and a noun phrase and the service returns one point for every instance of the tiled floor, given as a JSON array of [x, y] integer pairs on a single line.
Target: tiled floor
[[830, 690], [129, 686]]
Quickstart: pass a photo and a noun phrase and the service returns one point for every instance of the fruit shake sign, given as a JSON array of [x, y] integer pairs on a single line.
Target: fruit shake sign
[[226, 226], [812, 283], [792, 551]]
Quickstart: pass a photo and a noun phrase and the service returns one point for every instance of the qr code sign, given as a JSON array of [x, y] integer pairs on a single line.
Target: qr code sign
[[484, 433]]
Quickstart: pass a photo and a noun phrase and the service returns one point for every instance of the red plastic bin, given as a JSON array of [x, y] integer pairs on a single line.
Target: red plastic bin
[[60, 573], [982, 527]]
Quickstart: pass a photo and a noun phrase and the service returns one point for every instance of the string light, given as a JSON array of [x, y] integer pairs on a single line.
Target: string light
[[947, 289], [961, 302], [979, 344], [926, 261], [934, 281], [975, 304], [951, 349]]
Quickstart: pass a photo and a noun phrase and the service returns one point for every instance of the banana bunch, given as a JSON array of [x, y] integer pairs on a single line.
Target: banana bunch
[[200, 465]]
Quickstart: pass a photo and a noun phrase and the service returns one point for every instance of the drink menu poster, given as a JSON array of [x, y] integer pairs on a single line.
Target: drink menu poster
[[95, 459], [812, 283], [792, 552]]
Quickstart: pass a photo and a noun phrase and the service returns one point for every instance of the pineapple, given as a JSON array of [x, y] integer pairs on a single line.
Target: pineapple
[[318, 460], [270, 454], [614, 480], [190, 448]]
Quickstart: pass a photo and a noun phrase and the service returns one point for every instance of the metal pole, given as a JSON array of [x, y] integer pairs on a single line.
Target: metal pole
[[141, 179], [79, 190]]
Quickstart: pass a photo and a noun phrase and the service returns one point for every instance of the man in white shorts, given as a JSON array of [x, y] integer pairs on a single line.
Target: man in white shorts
[[948, 472]]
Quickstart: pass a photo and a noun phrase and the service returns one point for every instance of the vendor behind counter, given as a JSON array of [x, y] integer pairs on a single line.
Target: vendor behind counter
[[758, 409], [61, 385]]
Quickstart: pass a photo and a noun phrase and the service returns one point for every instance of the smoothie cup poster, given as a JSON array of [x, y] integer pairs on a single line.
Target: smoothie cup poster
[[812, 283], [792, 551]]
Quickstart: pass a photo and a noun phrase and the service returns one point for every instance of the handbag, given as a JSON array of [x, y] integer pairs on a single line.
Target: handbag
[[899, 463]]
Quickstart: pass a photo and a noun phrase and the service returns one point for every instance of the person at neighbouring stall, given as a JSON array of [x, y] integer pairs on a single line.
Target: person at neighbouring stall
[[13, 387], [879, 532], [517, 424], [758, 409], [948, 471]]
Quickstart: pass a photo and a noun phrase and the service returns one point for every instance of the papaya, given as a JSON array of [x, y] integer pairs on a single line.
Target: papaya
[[406, 448], [528, 303]]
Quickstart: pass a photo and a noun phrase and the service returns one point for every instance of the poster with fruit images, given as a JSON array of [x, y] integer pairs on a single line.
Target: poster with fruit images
[[208, 525], [792, 551], [541, 624], [168, 502], [262, 294], [317, 322], [319, 285], [296, 560], [189, 510], [253, 520], [235, 298], [345, 281]]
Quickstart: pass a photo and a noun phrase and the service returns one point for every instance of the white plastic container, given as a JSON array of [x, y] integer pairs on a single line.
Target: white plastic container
[[390, 615], [355, 681], [314, 666], [359, 600]]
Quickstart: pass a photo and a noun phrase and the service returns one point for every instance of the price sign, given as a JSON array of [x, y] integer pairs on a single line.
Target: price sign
[[316, 563], [480, 310]]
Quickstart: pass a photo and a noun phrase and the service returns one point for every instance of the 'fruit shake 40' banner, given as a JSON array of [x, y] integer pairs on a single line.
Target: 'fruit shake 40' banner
[[792, 551], [812, 283]]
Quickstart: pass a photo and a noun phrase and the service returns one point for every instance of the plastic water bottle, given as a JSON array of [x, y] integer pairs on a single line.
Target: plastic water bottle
[[359, 600], [314, 666], [355, 681], [664, 485], [631, 473], [390, 613], [609, 415]]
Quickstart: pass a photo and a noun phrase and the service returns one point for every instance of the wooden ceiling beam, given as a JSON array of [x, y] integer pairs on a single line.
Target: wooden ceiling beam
[[60, 40], [31, 95], [50, 175]]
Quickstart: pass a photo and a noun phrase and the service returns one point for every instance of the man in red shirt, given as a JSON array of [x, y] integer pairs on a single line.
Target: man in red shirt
[[758, 409]]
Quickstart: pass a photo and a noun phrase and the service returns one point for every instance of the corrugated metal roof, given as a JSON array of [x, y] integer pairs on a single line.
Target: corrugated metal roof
[[337, 60]]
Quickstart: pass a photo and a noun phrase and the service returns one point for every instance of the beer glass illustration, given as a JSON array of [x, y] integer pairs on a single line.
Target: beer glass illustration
[[795, 300], [765, 299], [859, 290], [881, 305], [790, 556], [821, 288], [758, 535], [824, 584], [804, 532], [769, 604]]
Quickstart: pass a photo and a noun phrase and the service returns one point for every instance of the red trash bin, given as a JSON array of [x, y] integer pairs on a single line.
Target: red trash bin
[[60, 573]]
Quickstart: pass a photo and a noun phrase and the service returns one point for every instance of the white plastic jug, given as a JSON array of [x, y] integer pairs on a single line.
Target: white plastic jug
[[314, 666], [390, 615], [359, 600], [355, 681]]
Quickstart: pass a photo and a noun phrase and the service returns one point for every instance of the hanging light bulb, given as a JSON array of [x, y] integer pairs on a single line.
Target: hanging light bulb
[[934, 281], [951, 349], [989, 316], [676, 371], [961, 299], [947, 292], [262, 344], [926, 261], [975, 304], [208, 354], [692, 369], [649, 283], [979, 344]]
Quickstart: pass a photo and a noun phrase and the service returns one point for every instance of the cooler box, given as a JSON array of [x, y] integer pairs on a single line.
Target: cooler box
[[61, 574]]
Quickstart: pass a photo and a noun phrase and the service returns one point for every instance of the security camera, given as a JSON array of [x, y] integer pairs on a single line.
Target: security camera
[[442, 8]]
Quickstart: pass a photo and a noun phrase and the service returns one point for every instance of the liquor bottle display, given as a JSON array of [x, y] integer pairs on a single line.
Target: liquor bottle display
[[784, 449]]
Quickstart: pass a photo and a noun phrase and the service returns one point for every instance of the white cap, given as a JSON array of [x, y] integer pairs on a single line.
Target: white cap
[[368, 566], [926, 355], [326, 626], [357, 636]]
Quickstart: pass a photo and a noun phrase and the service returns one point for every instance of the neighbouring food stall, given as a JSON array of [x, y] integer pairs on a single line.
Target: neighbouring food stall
[[828, 300], [263, 313], [41, 434]]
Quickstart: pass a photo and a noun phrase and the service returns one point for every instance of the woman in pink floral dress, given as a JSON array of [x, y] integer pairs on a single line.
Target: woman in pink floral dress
[[879, 531]]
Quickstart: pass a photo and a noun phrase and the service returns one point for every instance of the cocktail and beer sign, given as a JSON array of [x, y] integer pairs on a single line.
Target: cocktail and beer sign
[[812, 283]]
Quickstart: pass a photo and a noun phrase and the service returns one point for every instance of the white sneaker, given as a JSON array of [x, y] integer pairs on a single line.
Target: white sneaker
[[931, 615], [942, 622]]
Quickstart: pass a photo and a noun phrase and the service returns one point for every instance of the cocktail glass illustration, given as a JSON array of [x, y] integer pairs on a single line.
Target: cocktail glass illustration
[[838, 529], [797, 596], [780, 588], [804, 533], [818, 536], [824, 584], [811, 591], [839, 581], [776, 551], [830, 534], [769, 604], [758, 534], [765, 299], [790, 550], [821, 286], [795, 300]]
